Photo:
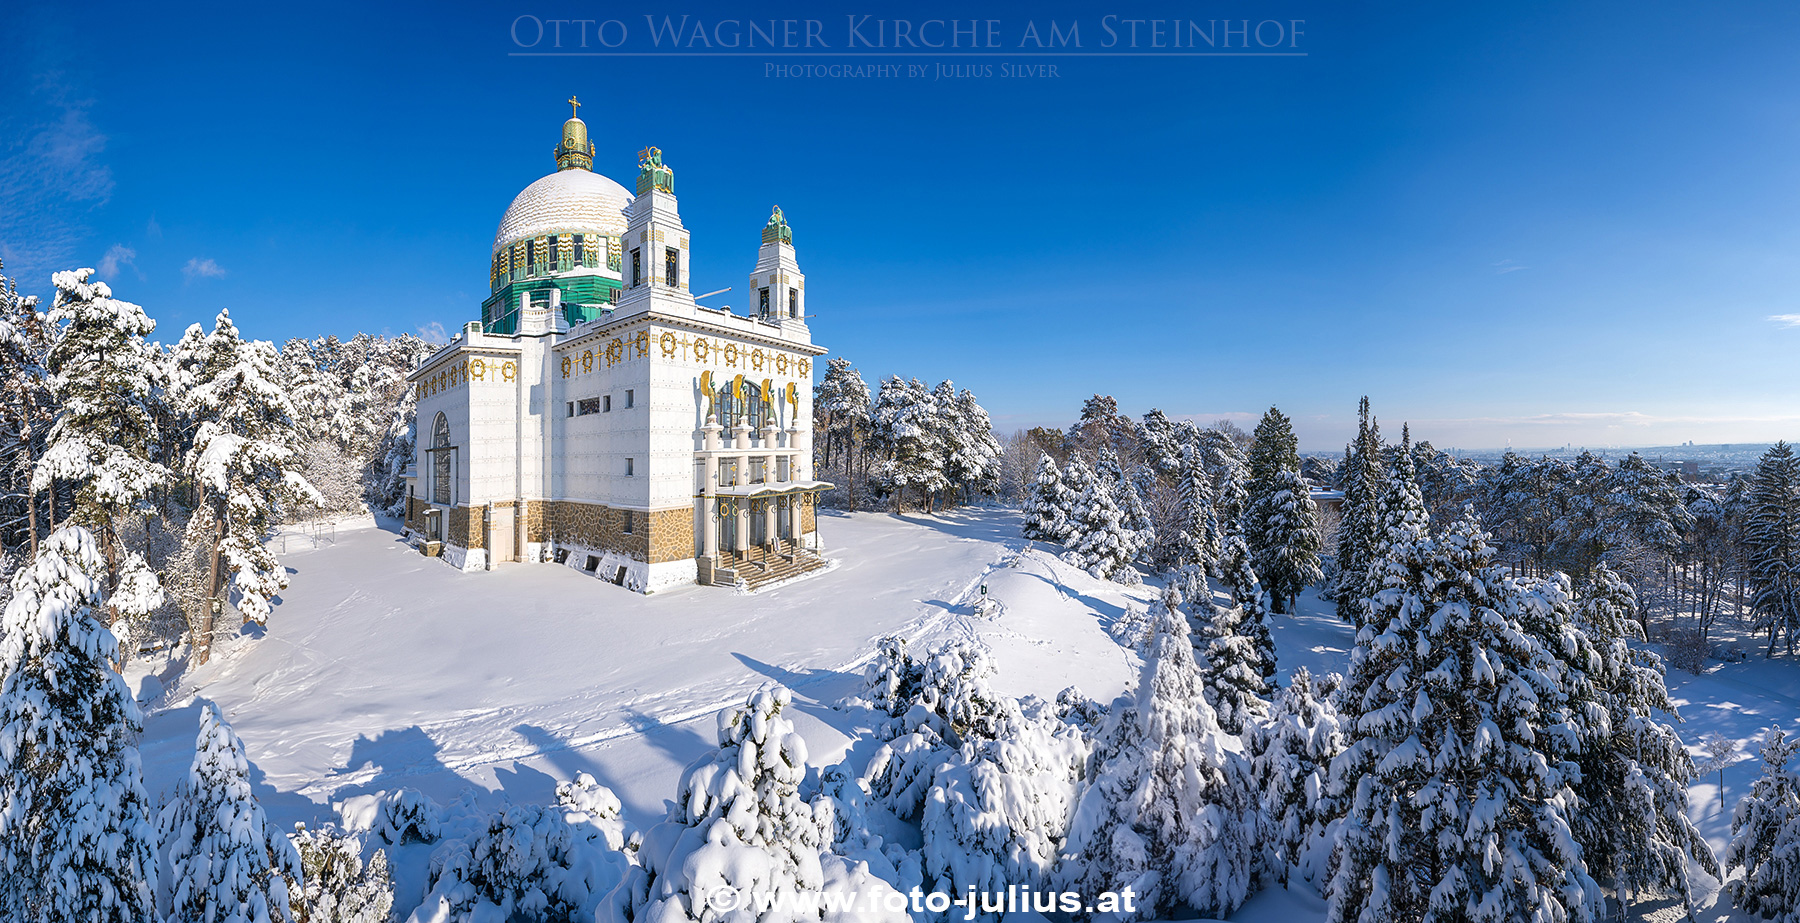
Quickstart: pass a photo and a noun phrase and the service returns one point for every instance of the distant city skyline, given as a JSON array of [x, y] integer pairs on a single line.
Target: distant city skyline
[[1544, 227]]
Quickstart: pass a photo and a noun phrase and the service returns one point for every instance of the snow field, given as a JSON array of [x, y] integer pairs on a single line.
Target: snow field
[[381, 669]]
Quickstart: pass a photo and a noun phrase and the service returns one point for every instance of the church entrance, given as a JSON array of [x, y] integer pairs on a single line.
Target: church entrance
[[727, 527], [759, 523]]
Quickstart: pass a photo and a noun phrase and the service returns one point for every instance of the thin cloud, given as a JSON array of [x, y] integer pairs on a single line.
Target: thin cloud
[[153, 230], [117, 257], [198, 268], [1785, 320], [50, 180], [434, 333], [1505, 266]]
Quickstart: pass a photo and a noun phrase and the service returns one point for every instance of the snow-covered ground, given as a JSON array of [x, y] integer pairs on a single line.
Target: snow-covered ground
[[382, 669]]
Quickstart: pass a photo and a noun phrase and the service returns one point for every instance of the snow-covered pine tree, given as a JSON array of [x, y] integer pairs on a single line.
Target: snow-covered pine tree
[[244, 459], [1198, 544], [226, 861], [106, 381], [841, 411], [1765, 836], [1168, 810], [1160, 444], [1231, 666], [1631, 816], [1133, 515], [1772, 545], [1452, 811], [1236, 572], [76, 841], [1048, 505], [1230, 474], [1291, 756], [972, 458], [1098, 540], [1400, 519], [26, 407], [1359, 520], [1284, 538], [904, 435], [738, 822], [339, 886]]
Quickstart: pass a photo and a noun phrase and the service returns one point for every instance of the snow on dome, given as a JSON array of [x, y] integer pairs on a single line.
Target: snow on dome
[[567, 200]]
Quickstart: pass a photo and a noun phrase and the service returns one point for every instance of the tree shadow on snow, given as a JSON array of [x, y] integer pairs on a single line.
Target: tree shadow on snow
[[792, 679], [990, 527], [525, 785], [395, 754]]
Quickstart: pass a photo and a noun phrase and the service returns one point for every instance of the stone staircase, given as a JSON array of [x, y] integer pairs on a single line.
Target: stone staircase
[[759, 567]]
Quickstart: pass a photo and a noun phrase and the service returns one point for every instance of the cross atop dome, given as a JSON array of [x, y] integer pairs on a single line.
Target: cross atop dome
[[575, 151], [575, 108]]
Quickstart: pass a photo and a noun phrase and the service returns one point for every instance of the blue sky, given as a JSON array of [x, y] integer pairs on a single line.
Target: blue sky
[[1530, 224]]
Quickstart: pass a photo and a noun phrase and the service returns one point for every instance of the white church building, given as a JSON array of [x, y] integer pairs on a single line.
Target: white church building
[[598, 417]]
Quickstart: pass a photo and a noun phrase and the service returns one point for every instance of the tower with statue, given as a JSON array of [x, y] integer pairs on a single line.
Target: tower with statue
[[600, 417]]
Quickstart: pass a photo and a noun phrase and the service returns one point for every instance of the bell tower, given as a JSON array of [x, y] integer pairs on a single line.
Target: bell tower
[[656, 243], [777, 286]]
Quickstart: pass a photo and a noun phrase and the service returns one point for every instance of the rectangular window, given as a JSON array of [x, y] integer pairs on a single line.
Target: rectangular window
[[671, 267], [586, 406], [607, 403], [630, 467], [580, 250], [571, 408], [793, 302], [630, 398], [756, 471], [637, 268], [764, 308], [630, 522]]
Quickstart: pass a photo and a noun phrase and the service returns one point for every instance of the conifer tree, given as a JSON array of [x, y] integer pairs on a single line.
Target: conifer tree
[[1197, 546], [1280, 520], [1048, 505], [105, 379], [1285, 544], [973, 459], [1765, 836], [906, 435], [1291, 756], [841, 406], [227, 862], [1098, 542], [1168, 809], [26, 405], [1133, 515], [1400, 519], [1230, 474], [75, 836], [1160, 444], [1631, 817], [1358, 523], [1236, 572], [1231, 668], [1772, 545], [1452, 811], [243, 458]]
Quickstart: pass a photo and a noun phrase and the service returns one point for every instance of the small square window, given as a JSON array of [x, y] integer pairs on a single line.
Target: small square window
[[587, 406], [630, 398], [630, 467], [606, 403]]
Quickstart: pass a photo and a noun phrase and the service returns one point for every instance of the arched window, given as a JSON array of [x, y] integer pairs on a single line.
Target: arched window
[[440, 460]]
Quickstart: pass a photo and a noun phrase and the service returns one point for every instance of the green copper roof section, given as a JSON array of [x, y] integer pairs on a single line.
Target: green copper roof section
[[583, 299]]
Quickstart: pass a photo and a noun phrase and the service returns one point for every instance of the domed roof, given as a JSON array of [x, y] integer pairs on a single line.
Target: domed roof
[[567, 200]]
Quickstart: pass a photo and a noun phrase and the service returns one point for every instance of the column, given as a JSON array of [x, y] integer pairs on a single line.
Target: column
[[709, 492]]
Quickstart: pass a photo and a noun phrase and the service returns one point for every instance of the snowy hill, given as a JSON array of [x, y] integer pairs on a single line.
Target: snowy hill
[[382, 669]]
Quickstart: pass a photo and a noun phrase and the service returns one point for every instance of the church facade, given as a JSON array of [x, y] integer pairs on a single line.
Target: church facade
[[599, 417]]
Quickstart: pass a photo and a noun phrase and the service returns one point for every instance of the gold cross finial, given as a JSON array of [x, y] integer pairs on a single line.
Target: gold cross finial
[[575, 108]]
